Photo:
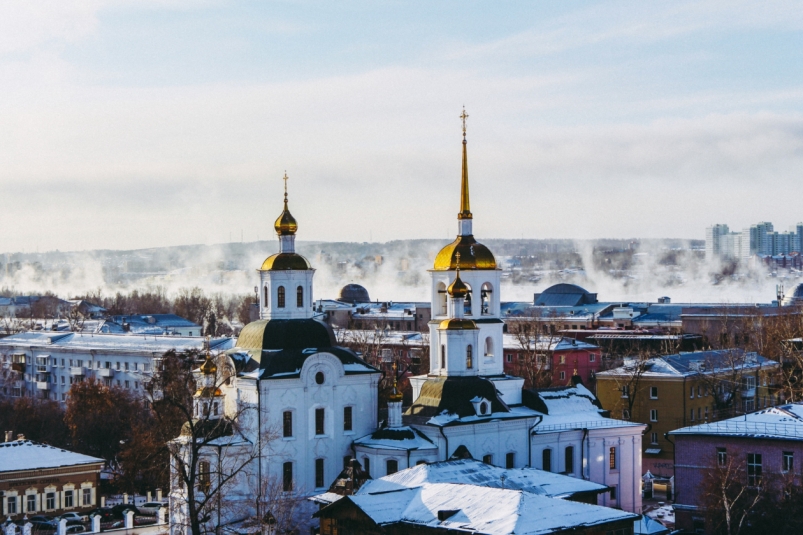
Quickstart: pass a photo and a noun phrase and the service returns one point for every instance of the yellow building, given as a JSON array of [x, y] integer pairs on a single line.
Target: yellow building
[[674, 391]]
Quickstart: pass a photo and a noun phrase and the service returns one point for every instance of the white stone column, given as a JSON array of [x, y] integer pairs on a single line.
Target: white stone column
[[162, 515], [26, 529], [9, 528], [62, 527], [129, 519], [96, 523]]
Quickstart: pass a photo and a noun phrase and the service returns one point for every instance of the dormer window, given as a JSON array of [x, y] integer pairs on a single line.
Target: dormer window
[[482, 407]]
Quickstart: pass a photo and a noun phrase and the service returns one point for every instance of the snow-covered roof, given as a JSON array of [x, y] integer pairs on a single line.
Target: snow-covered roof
[[569, 407], [479, 509], [697, 362], [114, 342], [784, 422], [546, 343], [20, 455], [397, 438], [471, 472]]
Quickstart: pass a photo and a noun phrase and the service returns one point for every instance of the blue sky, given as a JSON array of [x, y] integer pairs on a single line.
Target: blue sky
[[144, 123]]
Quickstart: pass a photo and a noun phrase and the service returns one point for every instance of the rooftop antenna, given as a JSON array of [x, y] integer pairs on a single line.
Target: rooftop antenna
[[779, 293]]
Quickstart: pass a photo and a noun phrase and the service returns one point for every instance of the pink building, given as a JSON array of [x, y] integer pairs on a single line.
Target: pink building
[[751, 449], [562, 356]]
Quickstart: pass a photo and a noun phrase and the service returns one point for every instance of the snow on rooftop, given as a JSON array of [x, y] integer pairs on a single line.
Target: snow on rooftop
[[27, 455], [469, 471], [782, 422], [480, 509], [115, 342]]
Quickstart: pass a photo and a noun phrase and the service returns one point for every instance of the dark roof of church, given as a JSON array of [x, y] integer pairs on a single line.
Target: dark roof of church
[[454, 395], [286, 334]]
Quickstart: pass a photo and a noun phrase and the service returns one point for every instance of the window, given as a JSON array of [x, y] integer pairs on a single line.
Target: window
[[625, 414], [788, 462], [265, 297], [469, 359], [699, 391], [467, 302], [392, 466], [510, 460], [50, 501], [485, 294], [443, 356], [546, 460], [562, 376], [653, 438], [86, 497], [489, 347], [287, 477], [319, 421], [653, 392], [706, 413], [613, 493], [691, 415], [699, 413], [366, 464], [126, 366], [31, 505], [204, 479], [653, 415], [754, 469], [488, 459], [562, 359], [612, 458], [318, 473], [568, 459], [626, 391], [118, 365], [320, 378], [509, 357], [691, 392], [68, 499], [287, 424], [347, 415], [280, 297], [127, 384], [300, 297], [592, 357], [11, 505]]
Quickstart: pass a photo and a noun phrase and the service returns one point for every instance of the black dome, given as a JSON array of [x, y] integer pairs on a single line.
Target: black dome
[[286, 334], [565, 295], [354, 293]]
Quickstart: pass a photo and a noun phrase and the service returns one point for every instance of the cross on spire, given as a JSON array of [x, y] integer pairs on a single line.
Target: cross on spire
[[464, 116], [457, 260], [285, 178]]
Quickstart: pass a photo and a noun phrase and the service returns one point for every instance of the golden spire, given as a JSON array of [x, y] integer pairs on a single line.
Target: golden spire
[[395, 395], [465, 208], [285, 224]]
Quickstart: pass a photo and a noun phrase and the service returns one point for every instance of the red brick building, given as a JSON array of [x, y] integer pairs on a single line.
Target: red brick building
[[558, 356]]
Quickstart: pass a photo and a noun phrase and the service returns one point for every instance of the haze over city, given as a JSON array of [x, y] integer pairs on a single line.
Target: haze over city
[[142, 124]]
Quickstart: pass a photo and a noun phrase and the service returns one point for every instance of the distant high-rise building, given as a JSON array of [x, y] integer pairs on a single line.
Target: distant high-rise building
[[758, 239]]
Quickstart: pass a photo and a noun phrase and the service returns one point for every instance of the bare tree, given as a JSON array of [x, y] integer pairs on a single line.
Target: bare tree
[[731, 495]]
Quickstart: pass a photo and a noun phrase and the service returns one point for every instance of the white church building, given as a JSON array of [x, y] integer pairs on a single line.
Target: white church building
[[319, 402]]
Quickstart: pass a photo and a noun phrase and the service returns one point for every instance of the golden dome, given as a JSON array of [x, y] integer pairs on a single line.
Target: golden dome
[[286, 224], [473, 255], [209, 367], [458, 288], [455, 324], [208, 392], [283, 261]]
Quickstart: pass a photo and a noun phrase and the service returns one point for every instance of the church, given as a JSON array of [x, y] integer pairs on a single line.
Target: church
[[307, 406]]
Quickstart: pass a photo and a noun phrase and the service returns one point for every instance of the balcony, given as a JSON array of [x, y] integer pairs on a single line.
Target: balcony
[[748, 393], [77, 371], [42, 385], [18, 367], [105, 372]]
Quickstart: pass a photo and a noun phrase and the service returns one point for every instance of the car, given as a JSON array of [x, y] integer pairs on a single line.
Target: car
[[78, 528], [106, 513], [119, 510], [72, 516], [42, 518], [38, 525], [151, 508]]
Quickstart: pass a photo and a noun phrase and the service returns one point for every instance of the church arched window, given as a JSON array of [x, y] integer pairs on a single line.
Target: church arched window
[[467, 302], [300, 297], [443, 356], [442, 299], [489, 347], [266, 300], [469, 358], [280, 297], [485, 294]]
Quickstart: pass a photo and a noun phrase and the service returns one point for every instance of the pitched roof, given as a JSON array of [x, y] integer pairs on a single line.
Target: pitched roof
[[784, 422], [28, 455]]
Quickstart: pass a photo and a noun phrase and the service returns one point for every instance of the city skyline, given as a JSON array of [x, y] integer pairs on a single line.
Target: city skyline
[[133, 125]]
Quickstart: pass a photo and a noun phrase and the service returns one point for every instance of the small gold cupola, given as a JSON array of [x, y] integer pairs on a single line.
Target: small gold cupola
[[286, 224], [458, 288]]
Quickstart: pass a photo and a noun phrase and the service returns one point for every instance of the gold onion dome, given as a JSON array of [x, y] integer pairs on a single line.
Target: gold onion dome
[[473, 255], [209, 367], [458, 288], [286, 224]]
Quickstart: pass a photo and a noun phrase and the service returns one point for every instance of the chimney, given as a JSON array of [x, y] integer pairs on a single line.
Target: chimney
[[9, 436], [20, 437]]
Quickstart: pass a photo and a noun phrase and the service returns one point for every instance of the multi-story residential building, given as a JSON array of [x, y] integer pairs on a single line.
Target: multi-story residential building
[[563, 358], [45, 364], [151, 324], [674, 391], [761, 447], [758, 239]]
